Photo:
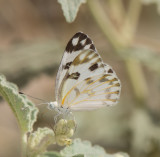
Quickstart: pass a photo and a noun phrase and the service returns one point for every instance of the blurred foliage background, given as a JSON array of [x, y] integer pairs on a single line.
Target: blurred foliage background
[[33, 35]]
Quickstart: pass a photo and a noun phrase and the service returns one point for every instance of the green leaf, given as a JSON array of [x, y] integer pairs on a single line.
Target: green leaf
[[39, 140], [70, 8], [24, 110], [50, 154], [84, 148]]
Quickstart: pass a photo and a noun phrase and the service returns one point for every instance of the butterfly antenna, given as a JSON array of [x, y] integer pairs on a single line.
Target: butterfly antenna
[[32, 97]]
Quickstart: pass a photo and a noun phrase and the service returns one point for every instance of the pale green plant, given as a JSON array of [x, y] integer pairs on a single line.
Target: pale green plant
[[35, 142], [70, 8]]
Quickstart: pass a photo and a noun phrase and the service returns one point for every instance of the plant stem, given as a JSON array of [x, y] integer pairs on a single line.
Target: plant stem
[[137, 78], [24, 145], [117, 10], [105, 24], [134, 68], [131, 20]]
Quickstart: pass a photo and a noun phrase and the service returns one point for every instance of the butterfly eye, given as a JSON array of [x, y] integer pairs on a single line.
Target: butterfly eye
[[52, 105]]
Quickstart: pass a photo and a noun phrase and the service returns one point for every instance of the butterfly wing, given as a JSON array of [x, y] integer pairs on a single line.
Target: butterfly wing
[[77, 43], [88, 85], [84, 82]]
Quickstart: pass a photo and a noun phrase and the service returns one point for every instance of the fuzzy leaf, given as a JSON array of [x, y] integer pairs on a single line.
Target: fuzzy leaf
[[24, 110], [50, 154], [39, 140], [79, 155], [84, 148], [70, 8]]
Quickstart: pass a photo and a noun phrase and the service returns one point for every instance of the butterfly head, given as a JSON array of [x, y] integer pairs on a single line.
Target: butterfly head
[[52, 105]]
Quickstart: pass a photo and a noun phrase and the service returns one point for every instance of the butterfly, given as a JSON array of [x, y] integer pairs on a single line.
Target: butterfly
[[84, 81]]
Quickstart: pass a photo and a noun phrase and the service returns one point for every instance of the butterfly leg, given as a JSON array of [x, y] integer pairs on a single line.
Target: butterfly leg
[[57, 117], [73, 118]]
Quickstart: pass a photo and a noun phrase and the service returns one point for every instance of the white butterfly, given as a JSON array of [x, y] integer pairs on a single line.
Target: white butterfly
[[84, 81]]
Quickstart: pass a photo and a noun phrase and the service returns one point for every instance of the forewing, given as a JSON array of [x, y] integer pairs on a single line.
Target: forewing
[[86, 64], [89, 83], [77, 43], [83, 81]]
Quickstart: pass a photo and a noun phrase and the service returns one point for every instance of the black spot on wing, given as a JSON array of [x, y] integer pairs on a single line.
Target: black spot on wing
[[69, 47], [118, 84], [110, 71], [79, 46], [74, 76], [114, 79], [78, 34], [67, 65], [92, 47], [82, 36], [93, 67], [88, 80], [117, 92], [88, 41]]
